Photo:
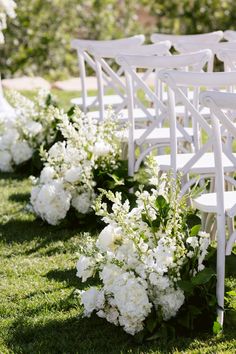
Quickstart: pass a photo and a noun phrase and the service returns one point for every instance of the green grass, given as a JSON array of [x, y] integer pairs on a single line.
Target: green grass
[[39, 311]]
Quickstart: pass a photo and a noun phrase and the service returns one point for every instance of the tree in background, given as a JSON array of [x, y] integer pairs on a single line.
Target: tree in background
[[38, 39]]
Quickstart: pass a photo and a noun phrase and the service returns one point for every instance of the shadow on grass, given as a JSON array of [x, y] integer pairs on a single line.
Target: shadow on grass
[[20, 231], [74, 335], [66, 275], [69, 277], [89, 336], [17, 176], [19, 197]]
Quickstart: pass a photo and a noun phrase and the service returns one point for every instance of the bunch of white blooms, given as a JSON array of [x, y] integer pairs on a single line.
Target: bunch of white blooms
[[139, 256], [68, 173], [7, 8], [32, 124]]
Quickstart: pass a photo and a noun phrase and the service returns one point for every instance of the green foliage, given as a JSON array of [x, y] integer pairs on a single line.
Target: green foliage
[[38, 40]]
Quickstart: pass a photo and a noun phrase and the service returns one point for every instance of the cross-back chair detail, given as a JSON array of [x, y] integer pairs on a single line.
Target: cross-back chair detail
[[102, 56], [131, 63], [84, 58], [221, 202], [200, 161]]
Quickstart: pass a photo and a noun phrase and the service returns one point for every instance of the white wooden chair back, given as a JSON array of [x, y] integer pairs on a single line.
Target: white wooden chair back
[[134, 82], [187, 47], [177, 83], [230, 35], [188, 38], [102, 57], [82, 45], [228, 57]]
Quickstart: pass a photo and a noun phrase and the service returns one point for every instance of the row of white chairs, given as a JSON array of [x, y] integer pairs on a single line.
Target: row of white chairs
[[160, 97]]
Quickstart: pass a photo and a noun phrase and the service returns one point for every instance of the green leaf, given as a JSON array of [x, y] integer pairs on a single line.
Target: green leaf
[[195, 230], [217, 328], [203, 277], [151, 324], [192, 220], [230, 265], [161, 202], [186, 286]]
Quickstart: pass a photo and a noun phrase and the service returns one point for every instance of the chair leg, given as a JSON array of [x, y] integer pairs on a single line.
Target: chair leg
[[220, 267]]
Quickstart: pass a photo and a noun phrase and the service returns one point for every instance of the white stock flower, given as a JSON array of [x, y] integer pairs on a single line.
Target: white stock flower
[[85, 267], [73, 174], [34, 128], [101, 148], [21, 152]]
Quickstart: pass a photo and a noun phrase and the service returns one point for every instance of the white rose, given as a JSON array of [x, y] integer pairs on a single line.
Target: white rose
[[47, 174], [21, 152], [73, 174], [108, 238]]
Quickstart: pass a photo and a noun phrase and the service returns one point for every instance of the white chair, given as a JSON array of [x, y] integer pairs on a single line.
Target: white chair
[[228, 57], [222, 202], [155, 135], [211, 37], [200, 162], [87, 102], [187, 47], [102, 55], [230, 35]]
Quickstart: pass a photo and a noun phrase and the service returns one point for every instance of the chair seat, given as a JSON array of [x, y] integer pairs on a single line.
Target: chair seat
[[207, 202], [123, 114], [109, 100], [204, 165], [157, 135]]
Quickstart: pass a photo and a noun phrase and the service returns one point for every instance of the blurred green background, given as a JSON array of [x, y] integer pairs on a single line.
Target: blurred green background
[[38, 40]]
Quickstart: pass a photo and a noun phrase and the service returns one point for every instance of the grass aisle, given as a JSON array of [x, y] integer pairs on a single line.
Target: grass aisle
[[38, 309]]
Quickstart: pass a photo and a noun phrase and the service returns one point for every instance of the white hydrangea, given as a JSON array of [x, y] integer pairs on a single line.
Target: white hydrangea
[[140, 264], [7, 8], [23, 130], [51, 201], [5, 161], [83, 202], [92, 299], [88, 146], [21, 152]]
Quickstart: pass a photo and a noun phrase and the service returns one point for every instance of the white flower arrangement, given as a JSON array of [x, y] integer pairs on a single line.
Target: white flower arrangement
[[22, 133], [139, 257], [7, 8], [67, 179]]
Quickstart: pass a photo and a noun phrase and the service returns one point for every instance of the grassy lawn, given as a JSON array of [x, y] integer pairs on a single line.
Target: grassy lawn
[[39, 310]]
